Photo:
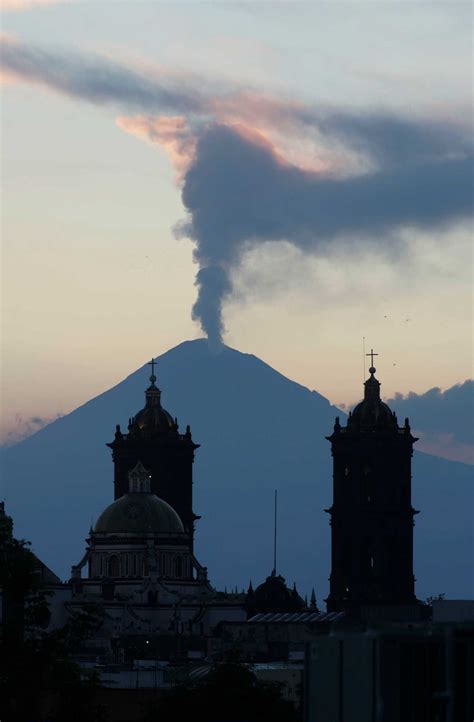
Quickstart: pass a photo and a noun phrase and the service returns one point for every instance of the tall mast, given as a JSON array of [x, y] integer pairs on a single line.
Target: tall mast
[[275, 534]]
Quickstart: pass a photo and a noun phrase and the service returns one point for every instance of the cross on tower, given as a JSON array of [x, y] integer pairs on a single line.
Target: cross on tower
[[152, 364], [371, 354]]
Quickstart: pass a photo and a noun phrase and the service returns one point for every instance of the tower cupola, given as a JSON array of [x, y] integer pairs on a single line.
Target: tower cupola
[[153, 418], [372, 412]]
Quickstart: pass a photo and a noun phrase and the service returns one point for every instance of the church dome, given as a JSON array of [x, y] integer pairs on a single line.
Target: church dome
[[372, 411], [153, 417], [274, 596], [140, 513]]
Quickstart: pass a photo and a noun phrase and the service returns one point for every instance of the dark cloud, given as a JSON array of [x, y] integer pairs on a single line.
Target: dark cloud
[[440, 412], [385, 137], [390, 140], [239, 193], [98, 80]]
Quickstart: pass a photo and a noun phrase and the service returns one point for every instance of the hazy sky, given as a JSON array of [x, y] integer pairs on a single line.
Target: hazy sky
[[323, 154]]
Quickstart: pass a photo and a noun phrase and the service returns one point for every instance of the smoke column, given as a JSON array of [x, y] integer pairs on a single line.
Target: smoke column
[[387, 172], [240, 193]]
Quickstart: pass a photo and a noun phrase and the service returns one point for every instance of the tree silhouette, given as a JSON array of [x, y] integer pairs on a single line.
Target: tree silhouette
[[38, 677], [230, 692]]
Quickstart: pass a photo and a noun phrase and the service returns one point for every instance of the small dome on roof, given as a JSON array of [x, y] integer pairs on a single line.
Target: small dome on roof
[[153, 417], [372, 411], [274, 596], [138, 512]]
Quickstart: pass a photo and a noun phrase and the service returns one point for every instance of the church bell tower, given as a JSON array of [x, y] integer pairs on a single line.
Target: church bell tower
[[154, 440], [372, 517]]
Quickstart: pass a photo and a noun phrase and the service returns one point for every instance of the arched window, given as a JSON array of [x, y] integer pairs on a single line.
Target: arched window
[[114, 566]]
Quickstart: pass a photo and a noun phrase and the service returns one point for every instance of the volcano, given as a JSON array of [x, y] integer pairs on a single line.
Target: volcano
[[258, 431]]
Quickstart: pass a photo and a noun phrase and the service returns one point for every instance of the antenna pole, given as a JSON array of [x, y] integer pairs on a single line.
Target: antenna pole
[[275, 535], [363, 354]]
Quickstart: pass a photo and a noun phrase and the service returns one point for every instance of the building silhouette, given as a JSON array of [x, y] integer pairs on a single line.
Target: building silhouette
[[274, 596], [139, 560], [154, 440], [372, 517]]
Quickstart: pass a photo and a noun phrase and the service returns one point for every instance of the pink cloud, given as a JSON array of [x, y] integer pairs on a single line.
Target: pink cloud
[[176, 97], [170, 132], [262, 121], [178, 139], [14, 5], [20, 428]]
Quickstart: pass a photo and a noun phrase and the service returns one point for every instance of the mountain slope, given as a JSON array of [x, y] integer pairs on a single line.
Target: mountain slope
[[259, 431]]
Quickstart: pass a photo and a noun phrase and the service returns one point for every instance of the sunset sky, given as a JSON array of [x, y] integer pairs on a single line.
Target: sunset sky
[[315, 157]]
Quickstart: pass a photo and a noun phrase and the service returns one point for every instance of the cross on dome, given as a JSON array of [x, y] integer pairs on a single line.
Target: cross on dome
[[152, 364], [372, 369]]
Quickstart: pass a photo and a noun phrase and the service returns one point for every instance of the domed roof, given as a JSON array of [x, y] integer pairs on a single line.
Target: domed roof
[[153, 417], [274, 596], [372, 411], [138, 512]]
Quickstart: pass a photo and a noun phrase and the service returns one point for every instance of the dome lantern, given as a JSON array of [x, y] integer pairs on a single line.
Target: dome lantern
[[153, 417], [139, 479], [372, 412]]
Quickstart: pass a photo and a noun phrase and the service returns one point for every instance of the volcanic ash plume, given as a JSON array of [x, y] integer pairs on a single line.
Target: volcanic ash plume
[[245, 180], [240, 193], [213, 287]]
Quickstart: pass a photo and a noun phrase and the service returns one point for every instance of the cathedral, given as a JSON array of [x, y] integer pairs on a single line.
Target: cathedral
[[140, 571], [376, 646], [139, 564]]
